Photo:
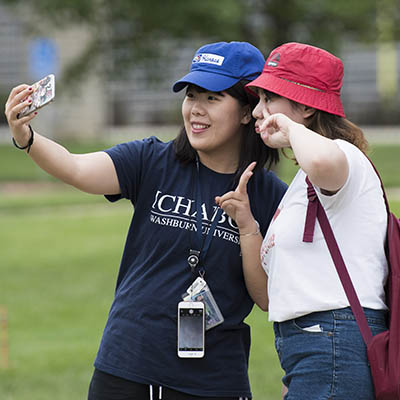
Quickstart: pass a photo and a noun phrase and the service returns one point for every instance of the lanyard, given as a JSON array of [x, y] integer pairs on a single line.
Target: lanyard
[[198, 256]]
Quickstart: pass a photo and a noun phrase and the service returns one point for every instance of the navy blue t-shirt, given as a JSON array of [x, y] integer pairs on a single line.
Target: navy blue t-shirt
[[139, 342]]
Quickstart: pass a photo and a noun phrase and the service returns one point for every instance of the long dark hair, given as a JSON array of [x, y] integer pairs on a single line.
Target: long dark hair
[[335, 127], [252, 147]]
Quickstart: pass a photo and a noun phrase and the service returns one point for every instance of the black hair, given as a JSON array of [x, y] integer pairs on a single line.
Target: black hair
[[252, 147]]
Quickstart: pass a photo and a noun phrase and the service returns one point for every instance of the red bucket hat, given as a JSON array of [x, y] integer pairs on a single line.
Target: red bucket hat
[[305, 74]]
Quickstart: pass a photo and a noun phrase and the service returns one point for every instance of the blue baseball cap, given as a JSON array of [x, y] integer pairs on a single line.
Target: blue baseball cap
[[219, 66]]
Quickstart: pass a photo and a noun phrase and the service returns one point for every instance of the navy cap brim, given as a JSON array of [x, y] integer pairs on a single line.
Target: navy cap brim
[[206, 80]]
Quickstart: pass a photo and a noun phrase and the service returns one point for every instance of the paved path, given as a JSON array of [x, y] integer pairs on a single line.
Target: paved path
[[382, 134], [374, 134]]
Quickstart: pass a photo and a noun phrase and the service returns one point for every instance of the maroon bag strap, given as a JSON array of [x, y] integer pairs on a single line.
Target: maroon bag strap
[[311, 216], [315, 210]]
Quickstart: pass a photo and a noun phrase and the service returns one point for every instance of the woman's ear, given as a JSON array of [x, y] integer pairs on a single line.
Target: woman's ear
[[308, 112], [246, 115]]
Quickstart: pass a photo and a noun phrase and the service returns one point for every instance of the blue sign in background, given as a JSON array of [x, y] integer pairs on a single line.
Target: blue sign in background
[[43, 58]]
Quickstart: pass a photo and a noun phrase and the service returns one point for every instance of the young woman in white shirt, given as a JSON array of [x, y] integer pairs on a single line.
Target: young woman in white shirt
[[317, 338]]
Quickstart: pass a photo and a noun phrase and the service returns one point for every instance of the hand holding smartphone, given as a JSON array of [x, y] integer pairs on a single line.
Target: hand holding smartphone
[[42, 94]]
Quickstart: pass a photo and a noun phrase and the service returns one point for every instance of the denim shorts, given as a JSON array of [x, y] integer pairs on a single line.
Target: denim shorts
[[324, 356]]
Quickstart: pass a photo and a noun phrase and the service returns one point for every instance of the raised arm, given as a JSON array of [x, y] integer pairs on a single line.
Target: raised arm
[[236, 205], [93, 172], [319, 157]]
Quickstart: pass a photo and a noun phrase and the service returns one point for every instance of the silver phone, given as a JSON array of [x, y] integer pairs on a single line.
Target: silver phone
[[191, 329]]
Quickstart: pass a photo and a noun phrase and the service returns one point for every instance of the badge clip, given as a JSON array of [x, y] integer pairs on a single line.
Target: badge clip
[[193, 259]]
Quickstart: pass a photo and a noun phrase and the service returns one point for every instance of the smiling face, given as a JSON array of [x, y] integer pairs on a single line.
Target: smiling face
[[213, 122]]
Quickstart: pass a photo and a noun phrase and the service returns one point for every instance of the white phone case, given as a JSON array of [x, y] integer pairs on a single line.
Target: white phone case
[[43, 93]]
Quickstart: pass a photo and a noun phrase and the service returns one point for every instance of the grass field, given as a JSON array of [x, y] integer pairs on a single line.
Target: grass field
[[60, 250], [59, 264], [18, 167]]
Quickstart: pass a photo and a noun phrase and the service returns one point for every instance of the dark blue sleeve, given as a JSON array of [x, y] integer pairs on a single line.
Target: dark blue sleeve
[[129, 160]]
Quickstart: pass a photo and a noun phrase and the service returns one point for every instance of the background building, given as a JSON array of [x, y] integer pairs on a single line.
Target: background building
[[96, 106]]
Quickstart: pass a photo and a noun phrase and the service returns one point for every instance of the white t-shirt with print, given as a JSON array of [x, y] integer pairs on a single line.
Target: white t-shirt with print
[[301, 276]]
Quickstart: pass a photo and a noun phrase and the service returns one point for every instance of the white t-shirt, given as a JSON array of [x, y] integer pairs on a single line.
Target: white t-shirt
[[301, 276]]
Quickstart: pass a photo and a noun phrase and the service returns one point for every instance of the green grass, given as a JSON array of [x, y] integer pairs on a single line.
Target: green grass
[[48, 197], [58, 267], [16, 166], [386, 160], [384, 156]]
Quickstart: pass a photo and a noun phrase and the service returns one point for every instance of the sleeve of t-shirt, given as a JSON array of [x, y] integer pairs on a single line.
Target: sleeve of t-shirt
[[129, 160], [359, 171]]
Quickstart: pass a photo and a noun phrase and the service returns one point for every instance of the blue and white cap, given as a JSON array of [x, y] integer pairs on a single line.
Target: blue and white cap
[[219, 66]]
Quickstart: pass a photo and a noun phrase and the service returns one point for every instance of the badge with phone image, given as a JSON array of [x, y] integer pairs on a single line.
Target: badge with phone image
[[191, 329], [43, 93]]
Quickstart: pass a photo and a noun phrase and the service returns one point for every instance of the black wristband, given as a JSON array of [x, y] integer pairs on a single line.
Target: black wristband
[[30, 141]]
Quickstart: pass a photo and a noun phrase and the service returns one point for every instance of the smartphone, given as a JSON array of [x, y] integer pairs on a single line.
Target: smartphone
[[191, 329], [43, 93]]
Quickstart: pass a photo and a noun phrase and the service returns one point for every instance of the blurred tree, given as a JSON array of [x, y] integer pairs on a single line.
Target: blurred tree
[[319, 22], [136, 30], [387, 52], [387, 65]]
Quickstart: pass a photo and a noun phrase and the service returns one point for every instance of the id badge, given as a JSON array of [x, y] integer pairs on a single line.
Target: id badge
[[199, 291]]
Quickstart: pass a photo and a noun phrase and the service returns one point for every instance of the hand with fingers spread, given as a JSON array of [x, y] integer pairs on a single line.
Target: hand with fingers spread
[[19, 98], [236, 203]]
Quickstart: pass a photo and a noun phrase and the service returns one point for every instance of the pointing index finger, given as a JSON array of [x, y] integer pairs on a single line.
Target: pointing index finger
[[245, 177]]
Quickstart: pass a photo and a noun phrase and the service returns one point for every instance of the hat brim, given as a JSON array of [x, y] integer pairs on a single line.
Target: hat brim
[[206, 80], [328, 102]]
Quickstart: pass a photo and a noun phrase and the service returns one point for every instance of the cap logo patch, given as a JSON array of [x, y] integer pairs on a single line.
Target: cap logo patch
[[208, 58], [274, 61]]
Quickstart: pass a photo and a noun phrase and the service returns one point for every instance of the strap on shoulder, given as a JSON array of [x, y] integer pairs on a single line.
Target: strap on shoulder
[[311, 215]]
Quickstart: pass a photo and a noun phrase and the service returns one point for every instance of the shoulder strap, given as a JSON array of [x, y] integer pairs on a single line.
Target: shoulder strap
[[315, 210]]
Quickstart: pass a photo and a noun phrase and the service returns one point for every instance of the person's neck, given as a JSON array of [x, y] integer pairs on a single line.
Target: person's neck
[[227, 164]]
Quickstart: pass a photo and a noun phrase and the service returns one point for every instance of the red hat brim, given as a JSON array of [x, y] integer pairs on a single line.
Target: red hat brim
[[329, 102]]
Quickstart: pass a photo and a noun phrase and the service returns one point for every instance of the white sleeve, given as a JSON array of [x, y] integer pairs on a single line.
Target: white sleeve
[[357, 181]]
